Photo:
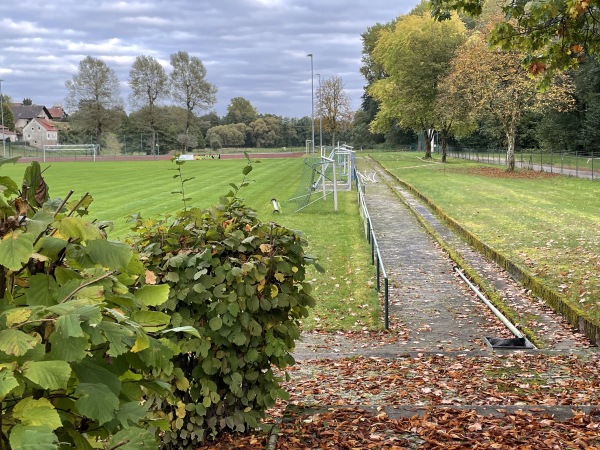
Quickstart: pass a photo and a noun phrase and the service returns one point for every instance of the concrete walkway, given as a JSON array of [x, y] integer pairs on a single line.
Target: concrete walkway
[[550, 329], [430, 306]]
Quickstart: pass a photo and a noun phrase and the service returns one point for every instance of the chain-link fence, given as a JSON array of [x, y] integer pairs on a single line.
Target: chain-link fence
[[582, 165]]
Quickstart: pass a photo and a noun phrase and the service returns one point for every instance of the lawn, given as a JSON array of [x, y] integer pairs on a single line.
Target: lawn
[[546, 223], [345, 297]]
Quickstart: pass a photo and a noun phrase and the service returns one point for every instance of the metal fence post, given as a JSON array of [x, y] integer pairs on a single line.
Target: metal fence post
[[372, 251], [378, 274], [386, 300], [562, 160]]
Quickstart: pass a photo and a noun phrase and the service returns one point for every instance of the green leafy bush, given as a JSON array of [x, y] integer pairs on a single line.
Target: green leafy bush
[[241, 284], [76, 333]]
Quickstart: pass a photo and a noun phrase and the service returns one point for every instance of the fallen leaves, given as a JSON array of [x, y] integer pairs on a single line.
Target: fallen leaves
[[425, 401], [236, 442], [356, 428], [511, 379]]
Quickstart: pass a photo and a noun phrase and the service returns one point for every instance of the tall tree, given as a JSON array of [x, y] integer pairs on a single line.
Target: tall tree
[[267, 131], [148, 82], [371, 71], [240, 110], [93, 93], [190, 88], [334, 106], [415, 55], [493, 83], [232, 135], [9, 118], [552, 34]]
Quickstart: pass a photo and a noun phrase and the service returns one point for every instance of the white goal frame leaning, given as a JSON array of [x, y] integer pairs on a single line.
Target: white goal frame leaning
[[71, 148]]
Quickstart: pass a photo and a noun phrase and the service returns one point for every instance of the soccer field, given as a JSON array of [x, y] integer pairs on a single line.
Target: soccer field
[[121, 189]]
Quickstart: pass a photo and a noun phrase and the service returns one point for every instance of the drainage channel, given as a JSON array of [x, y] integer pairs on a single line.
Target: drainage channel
[[519, 342]]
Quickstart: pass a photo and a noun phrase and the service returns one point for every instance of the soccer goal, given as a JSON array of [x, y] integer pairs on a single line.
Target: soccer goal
[[71, 151], [323, 176]]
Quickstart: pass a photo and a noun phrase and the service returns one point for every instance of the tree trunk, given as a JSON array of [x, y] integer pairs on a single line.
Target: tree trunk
[[188, 121], [511, 137], [153, 139], [153, 128], [428, 135], [444, 138]]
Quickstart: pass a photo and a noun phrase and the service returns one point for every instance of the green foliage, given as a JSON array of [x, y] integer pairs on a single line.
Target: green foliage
[[74, 330], [240, 110], [238, 292], [554, 36], [233, 135], [9, 118], [179, 176], [216, 144], [415, 55]]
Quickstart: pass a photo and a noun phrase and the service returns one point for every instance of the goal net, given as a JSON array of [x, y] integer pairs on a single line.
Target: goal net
[[313, 171], [73, 151]]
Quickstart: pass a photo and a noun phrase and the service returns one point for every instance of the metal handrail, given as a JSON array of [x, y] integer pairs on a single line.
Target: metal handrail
[[376, 258]]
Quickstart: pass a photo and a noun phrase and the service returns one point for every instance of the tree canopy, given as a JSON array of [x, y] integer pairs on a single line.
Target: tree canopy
[[240, 110], [551, 34], [493, 83], [94, 93], [334, 106], [149, 83], [190, 88], [8, 117], [414, 56]]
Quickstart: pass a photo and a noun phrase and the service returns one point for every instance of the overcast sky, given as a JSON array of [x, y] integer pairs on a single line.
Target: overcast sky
[[254, 49]]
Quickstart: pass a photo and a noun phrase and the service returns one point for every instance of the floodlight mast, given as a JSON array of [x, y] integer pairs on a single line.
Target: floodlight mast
[[320, 108], [3, 131], [312, 100]]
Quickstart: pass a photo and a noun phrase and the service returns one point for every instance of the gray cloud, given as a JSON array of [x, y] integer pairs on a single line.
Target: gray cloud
[[254, 49]]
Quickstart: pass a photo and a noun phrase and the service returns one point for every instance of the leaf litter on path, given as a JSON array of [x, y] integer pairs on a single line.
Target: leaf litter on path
[[349, 403]]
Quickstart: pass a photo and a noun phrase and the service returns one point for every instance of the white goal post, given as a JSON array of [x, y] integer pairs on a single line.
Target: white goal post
[[73, 149]]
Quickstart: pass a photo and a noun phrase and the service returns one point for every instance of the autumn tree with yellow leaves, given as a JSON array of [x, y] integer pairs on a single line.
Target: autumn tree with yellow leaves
[[484, 82]]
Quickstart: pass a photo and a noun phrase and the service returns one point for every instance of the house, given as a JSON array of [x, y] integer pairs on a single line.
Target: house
[[57, 112], [25, 114], [39, 132], [7, 135]]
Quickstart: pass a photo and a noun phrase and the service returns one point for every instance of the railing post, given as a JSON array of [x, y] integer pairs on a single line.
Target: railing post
[[372, 250], [386, 300], [378, 274]]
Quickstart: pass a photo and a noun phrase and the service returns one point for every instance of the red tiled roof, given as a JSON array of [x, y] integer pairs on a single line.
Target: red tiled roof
[[56, 112], [49, 126]]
